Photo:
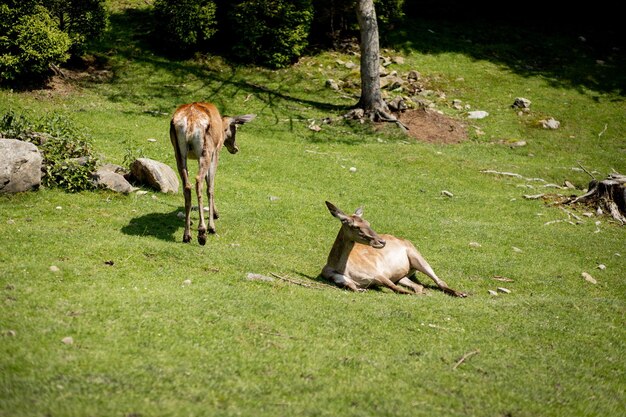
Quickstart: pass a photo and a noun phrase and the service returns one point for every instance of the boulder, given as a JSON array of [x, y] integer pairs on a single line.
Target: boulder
[[20, 166], [154, 174], [111, 177]]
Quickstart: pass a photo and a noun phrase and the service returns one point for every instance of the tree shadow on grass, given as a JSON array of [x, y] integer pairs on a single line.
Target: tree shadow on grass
[[160, 225]]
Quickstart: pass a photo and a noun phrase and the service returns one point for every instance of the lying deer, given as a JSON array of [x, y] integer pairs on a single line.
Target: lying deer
[[198, 131], [360, 258]]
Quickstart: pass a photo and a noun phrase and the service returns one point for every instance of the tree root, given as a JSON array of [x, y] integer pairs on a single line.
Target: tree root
[[375, 115]]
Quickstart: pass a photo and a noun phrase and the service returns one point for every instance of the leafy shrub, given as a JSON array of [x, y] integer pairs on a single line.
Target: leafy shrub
[[186, 24], [68, 160], [272, 33], [37, 33], [335, 20], [82, 20], [31, 44]]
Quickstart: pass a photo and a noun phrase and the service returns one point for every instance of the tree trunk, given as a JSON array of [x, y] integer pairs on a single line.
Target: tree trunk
[[371, 100]]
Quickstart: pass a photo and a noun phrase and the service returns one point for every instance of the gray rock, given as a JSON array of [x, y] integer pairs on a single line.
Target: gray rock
[[521, 103], [477, 114], [154, 174], [20, 166], [108, 177]]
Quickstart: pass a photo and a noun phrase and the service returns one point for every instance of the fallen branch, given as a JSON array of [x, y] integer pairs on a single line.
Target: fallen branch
[[511, 174], [465, 357], [317, 286], [584, 169]]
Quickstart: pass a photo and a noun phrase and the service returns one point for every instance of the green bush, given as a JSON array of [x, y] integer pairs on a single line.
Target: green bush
[[31, 44], [82, 20], [336, 19], [272, 33], [185, 24], [68, 160]]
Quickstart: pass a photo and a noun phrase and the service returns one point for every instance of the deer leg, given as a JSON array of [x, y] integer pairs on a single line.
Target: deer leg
[[419, 263], [406, 281], [340, 280], [209, 187], [200, 178], [395, 288], [181, 164], [210, 178]]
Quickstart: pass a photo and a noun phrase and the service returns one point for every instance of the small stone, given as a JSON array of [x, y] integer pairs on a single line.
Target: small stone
[[589, 278], [187, 282], [69, 340], [54, 268], [352, 169], [180, 215], [550, 123], [152, 140], [504, 290], [477, 114], [516, 249], [11, 333], [492, 292], [447, 193], [274, 198], [59, 208], [475, 245], [10, 221], [521, 103], [601, 267], [141, 192]]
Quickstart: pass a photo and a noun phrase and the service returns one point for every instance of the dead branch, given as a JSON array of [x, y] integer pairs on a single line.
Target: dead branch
[[317, 286], [465, 357], [585, 169]]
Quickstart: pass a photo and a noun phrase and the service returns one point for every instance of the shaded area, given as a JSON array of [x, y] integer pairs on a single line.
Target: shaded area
[[163, 226], [573, 47]]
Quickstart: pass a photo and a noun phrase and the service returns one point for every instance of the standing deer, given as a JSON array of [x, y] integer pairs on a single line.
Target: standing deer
[[360, 258], [198, 131]]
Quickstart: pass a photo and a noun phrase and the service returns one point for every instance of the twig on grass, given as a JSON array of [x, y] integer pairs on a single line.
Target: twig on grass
[[317, 286], [603, 130], [585, 169], [465, 357]]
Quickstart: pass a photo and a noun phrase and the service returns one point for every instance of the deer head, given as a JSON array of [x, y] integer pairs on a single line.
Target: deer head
[[356, 228], [230, 130]]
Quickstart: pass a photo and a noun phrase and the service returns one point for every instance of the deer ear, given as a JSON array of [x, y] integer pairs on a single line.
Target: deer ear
[[338, 213], [359, 212], [239, 120]]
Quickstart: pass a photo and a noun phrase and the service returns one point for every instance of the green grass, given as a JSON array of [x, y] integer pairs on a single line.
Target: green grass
[[148, 344]]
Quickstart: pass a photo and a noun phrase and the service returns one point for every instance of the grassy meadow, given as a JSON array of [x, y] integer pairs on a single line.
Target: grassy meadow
[[162, 328]]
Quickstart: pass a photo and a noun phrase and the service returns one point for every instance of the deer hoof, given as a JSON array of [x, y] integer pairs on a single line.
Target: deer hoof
[[186, 238], [202, 236], [212, 230]]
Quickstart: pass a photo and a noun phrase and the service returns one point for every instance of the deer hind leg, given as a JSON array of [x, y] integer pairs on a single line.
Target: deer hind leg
[[210, 184], [200, 178], [406, 282], [419, 263], [181, 164], [210, 180], [395, 288]]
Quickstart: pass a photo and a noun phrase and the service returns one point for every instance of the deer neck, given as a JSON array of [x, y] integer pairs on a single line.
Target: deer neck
[[340, 252]]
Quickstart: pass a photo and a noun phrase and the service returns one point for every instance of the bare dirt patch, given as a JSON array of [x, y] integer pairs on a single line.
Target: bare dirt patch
[[430, 126]]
